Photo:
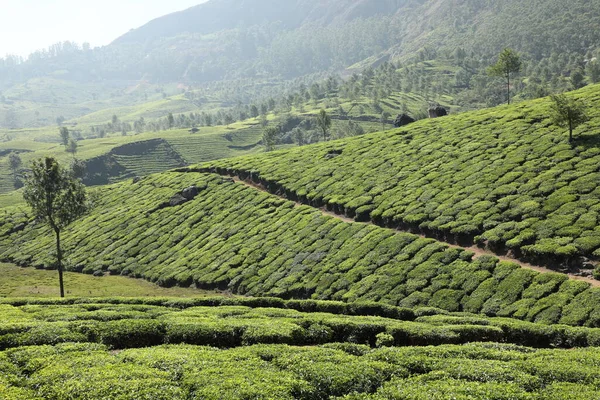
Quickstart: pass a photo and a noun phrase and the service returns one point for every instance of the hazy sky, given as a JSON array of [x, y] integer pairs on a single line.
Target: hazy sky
[[29, 25]]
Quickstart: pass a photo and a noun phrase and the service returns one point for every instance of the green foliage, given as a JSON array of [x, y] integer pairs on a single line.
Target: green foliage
[[324, 123], [472, 371], [53, 194], [568, 113], [121, 323], [253, 354], [508, 63], [64, 135], [269, 138]]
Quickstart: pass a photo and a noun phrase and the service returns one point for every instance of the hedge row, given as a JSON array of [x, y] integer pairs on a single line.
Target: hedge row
[[305, 306], [121, 326], [239, 239], [475, 371], [506, 178]]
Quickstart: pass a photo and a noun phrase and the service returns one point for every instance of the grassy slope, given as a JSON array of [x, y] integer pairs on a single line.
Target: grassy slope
[[249, 242], [505, 177], [29, 282]]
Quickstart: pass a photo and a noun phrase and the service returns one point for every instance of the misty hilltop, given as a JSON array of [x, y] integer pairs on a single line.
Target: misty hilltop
[[228, 39], [241, 51]]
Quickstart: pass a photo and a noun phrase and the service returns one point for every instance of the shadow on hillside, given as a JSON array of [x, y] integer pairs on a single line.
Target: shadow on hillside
[[587, 141]]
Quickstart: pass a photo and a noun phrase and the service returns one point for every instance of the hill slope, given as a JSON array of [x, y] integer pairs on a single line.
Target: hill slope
[[238, 238], [505, 178]]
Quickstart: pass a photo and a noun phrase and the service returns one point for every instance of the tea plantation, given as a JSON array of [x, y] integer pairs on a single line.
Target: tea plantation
[[504, 177], [236, 238], [334, 309], [250, 348]]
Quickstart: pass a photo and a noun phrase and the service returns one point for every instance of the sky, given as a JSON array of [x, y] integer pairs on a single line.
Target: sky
[[30, 25]]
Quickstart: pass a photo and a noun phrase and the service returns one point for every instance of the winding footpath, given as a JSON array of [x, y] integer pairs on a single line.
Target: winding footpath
[[474, 249]]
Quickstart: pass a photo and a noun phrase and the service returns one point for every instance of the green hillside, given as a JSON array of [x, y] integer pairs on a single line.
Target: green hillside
[[225, 52], [115, 158], [238, 245], [237, 238], [504, 177]]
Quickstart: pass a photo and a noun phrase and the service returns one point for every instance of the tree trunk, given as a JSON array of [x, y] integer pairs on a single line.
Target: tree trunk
[[508, 87], [59, 262], [570, 131]]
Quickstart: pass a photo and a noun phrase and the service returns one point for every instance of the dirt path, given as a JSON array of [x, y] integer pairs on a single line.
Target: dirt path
[[476, 250]]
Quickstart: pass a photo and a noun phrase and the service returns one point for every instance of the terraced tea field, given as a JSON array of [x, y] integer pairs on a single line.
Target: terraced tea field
[[120, 157], [505, 178], [199, 148], [496, 330], [158, 349], [233, 237]]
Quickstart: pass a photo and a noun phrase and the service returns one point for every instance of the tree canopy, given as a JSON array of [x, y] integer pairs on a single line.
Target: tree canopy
[[568, 113]]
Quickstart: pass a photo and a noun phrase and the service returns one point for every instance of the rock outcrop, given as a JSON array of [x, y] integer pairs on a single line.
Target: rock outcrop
[[402, 120]]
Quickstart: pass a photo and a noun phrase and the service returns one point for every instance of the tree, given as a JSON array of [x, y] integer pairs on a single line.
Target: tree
[[593, 70], [324, 123], [509, 62], [64, 136], [228, 119], [56, 197], [568, 113], [78, 168], [298, 134], [269, 138], [170, 120], [14, 162], [72, 147], [577, 79], [11, 121], [384, 119]]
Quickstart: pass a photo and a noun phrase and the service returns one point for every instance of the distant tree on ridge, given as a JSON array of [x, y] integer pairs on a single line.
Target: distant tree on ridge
[[509, 63]]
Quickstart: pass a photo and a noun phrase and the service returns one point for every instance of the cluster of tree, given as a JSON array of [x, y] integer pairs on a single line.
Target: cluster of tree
[[293, 129], [68, 140]]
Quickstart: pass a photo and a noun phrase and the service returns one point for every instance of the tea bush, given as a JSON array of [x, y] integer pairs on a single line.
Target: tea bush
[[472, 371]]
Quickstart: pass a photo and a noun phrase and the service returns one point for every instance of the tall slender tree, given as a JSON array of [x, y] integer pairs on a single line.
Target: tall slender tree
[[56, 197], [64, 135], [509, 63], [324, 123], [14, 162], [269, 138]]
